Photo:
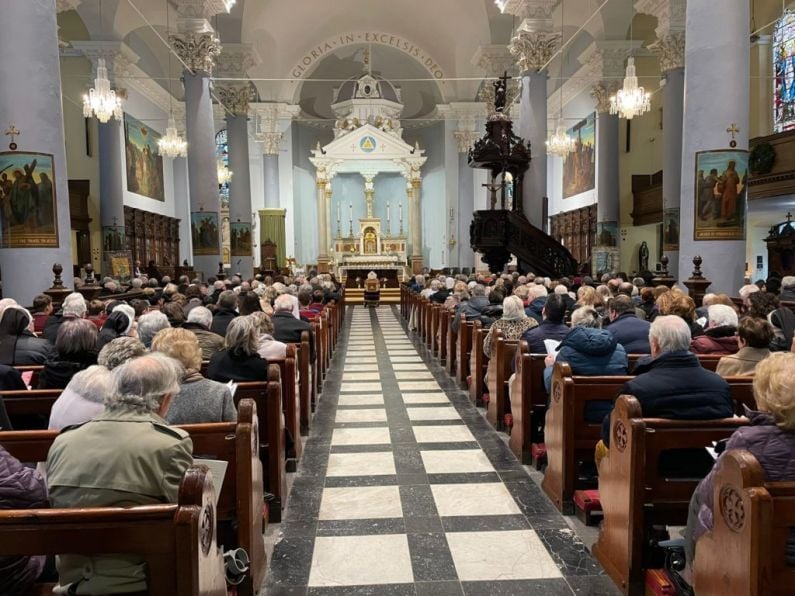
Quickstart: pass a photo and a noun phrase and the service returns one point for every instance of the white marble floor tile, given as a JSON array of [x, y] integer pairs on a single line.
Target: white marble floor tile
[[408, 375], [419, 386], [360, 436], [443, 434], [441, 413], [361, 464], [425, 398], [370, 399], [366, 415], [487, 498], [361, 502], [361, 560], [359, 387], [401, 366], [405, 359], [456, 461], [355, 360], [514, 554], [360, 367], [360, 376]]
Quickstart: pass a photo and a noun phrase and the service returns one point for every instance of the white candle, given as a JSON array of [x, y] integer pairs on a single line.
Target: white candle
[[338, 212], [387, 210], [351, 208], [400, 205]]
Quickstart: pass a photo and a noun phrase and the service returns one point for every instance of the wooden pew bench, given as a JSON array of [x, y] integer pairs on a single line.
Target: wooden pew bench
[[463, 352], [745, 551], [498, 373], [177, 541], [240, 504], [570, 440], [478, 364], [637, 492], [528, 404]]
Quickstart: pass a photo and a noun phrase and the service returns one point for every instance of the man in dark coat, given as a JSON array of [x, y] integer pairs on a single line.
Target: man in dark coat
[[673, 384], [471, 308], [629, 330], [551, 326], [227, 303], [288, 329]]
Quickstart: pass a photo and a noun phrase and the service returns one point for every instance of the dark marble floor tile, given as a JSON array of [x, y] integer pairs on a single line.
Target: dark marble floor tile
[[290, 562], [408, 460], [360, 527], [463, 478], [568, 551], [434, 588], [412, 478], [417, 501], [283, 590], [485, 523], [599, 585], [431, 558], [528, 587], [385, 480], [298, 527], [423, 525], [401, 434], [375, 590], [446, 446]]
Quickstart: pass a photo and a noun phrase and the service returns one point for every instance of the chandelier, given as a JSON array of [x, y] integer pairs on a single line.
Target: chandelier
[[224, 173], [631, 100], [560, 143], [102, 101], [172, 145]]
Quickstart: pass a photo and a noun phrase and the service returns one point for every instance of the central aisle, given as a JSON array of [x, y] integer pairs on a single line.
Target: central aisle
[[404, 488]]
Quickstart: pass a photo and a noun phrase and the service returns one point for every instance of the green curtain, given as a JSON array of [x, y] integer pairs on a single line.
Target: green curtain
[[272, 228]]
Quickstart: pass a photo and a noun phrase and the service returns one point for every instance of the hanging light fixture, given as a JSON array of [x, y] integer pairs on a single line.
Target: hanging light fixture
[[631, 100], [101, 101], [171, 145], [560, 143], [224, 173]]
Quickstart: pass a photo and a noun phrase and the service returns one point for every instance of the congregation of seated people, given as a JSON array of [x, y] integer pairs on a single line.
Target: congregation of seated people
[[594, 328], [130, 370]]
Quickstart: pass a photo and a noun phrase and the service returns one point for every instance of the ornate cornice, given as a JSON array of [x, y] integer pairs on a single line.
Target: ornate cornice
[[670, 14], [235, 60], [494, 59], [197, 50], [671, 51], [465, 139], [602, 92], [533, 50], [235, 97], [202, 9], [270, 142]]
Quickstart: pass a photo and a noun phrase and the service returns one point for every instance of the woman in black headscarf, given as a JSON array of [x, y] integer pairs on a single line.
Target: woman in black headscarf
[[116, 325], [18, 345]]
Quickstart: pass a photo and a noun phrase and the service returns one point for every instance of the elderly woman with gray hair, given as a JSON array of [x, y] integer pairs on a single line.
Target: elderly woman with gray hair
[[239, 360], [513, 324], [126, 456], [77, 350]]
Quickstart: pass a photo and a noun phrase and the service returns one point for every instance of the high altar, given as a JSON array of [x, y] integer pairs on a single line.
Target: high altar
[[368, 140]]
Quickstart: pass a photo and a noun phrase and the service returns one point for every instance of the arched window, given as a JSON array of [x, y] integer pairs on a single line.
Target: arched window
[[784, 69], [222, 157]]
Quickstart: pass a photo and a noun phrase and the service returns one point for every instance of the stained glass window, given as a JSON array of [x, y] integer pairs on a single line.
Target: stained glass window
[[222, 157], [784, 68]]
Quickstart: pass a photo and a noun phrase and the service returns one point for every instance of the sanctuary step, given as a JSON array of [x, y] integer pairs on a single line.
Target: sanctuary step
[[388, 295]]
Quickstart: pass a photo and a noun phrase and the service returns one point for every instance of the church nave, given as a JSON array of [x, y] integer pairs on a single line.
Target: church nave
[[404, 488]]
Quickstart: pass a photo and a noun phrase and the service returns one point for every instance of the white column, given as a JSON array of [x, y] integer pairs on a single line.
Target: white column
[[270, 168], [763, 88], [322, 223], [466, 197], [33, 105], [414, 191], [242, 259], [717, 35]]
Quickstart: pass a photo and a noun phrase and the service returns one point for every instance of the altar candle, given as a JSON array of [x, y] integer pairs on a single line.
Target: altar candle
[[400, 205], [338, 213], [350, 205], [387, 210]]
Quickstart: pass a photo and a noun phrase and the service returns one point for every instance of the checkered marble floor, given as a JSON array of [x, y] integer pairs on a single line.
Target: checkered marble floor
[[404, 488]]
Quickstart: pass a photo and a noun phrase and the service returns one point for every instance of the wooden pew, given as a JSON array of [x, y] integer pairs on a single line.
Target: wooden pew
[[445, 318], [36, 402], [636, 494], [463, 352], [478, 364], [708, 361], [240, 504], [290, 403], [177, 541], [569, 439], [528, 402], [433, 328], [499, 371], [305, 382], [31, 368], [451, 343], [744, 552]]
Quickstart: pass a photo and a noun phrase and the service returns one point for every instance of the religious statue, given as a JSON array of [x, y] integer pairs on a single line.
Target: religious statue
[[500, 93], [643, 256]]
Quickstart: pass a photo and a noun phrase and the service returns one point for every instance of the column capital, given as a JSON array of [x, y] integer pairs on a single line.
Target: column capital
[[270, 142], [602, 92], [197, 49], [193, 16], [235, 97], [536, 15], [464, 139], [64, 5], [235, 59], [119, 58], [494, 59], [533, 50], [671, 50], [670, 14]]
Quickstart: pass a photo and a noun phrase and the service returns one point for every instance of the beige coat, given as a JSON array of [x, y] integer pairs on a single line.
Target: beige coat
[[743, 363]]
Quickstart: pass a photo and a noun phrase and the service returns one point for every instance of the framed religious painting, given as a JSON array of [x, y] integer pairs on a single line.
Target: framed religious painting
[[28, 206], [204, 232], [670, 230], [240, 239], [144, 162], [579, 166], [721, 179]]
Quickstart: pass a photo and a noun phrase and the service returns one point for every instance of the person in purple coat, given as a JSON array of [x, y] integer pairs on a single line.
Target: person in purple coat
[[770, 438]]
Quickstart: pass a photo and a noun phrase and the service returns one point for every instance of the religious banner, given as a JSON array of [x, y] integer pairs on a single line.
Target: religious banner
[[721, 191], [605, 254], [144, 163], [204, 231], [119, 264], [670, 230], [579, 166], [28, 211], [240, 239]]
